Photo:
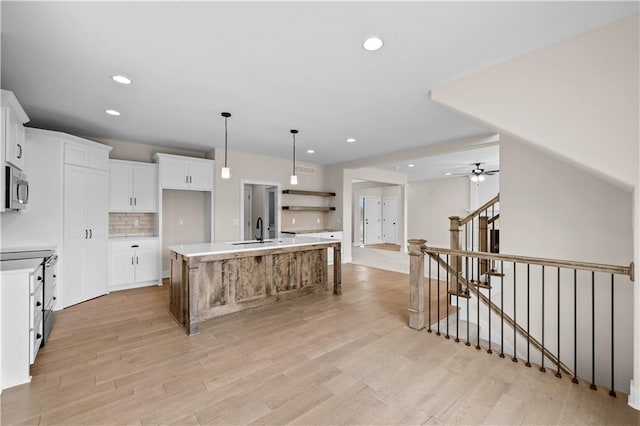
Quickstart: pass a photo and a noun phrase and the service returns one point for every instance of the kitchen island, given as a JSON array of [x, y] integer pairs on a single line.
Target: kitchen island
[[213, 279]]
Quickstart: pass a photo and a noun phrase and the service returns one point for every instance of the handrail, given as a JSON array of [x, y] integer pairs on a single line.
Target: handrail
[[498, 311], [587, 266], [480, 209]]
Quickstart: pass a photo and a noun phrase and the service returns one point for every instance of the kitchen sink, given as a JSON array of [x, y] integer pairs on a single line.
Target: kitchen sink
[[241, 243]]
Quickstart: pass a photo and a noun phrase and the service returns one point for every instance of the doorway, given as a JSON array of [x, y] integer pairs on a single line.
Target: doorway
[[260, 200]]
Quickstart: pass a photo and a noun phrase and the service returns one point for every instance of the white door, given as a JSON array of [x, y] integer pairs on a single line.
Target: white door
[[390, 220], [145, 189], [271, 210], [372, 220], [246, 215], [120, 191]]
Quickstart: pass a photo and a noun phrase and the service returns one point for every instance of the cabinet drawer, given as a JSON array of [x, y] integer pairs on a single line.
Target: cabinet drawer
[[35, 280], [36, 301], [122, 245], [35, 340]]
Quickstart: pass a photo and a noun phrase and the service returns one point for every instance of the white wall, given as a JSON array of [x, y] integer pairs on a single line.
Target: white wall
[[577, 98], [552, 209], [431, 203], [183, 220], [257, 168]]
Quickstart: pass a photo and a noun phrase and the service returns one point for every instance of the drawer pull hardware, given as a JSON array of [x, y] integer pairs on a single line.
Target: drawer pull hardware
[[135, 246], [38, 304], [39, 278], [38, 336]]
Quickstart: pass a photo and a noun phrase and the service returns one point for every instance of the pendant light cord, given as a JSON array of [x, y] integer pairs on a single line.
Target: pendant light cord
[[294, 154], [225, 141]]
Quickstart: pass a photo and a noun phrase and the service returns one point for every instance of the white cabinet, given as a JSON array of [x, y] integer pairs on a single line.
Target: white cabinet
[[13, 133], [21, 319], [177, 172], [134, 186], [85, 228], [133, 263]]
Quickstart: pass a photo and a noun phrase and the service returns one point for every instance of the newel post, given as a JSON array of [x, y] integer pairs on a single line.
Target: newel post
[[456, 264], [416, 284]]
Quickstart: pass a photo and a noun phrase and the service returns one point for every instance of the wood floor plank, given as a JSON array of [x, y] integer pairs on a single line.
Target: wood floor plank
[[318, 359]]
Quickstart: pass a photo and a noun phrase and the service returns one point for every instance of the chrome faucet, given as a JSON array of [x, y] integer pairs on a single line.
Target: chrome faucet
[[260, 226]]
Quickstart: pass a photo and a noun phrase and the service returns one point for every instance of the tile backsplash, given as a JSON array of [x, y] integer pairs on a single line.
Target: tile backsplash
[[138, 224]]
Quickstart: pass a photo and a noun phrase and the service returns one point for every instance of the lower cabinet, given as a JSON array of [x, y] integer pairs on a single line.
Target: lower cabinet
[[133, 263]]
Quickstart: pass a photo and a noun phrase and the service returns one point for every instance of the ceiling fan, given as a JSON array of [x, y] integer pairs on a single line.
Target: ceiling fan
[[478, 174]]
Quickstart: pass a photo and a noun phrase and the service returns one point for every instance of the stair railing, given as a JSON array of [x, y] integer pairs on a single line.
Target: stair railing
[[522, 275], [475, 229]]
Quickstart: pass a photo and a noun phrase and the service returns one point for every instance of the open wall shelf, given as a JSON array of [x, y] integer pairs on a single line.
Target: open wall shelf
[[308, 208], [312, 193]]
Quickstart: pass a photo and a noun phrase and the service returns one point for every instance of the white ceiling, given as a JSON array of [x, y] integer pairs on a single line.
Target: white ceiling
[[274, 66], [437, 166]]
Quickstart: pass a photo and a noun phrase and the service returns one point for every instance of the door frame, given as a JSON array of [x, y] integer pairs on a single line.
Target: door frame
[[244, 182], [250, 190]]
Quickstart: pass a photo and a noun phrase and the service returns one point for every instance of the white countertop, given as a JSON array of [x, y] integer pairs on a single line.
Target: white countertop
[[20, 266], [203, 249]]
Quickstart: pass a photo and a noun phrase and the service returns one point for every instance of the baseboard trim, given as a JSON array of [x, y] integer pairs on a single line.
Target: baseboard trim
[[634, 395]]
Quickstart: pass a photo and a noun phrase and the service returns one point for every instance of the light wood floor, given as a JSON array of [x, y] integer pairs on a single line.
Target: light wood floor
[[319, 359], [384, 246]]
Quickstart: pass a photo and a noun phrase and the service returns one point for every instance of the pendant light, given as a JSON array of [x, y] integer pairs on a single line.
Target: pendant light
[[226, 171], [294, 178]]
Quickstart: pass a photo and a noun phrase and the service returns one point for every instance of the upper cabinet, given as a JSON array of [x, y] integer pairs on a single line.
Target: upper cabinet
[[177, 172], [134, 186], [13, 134]]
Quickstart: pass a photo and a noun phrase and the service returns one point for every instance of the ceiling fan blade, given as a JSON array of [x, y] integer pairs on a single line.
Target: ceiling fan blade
[[459, 174], [491, 171]]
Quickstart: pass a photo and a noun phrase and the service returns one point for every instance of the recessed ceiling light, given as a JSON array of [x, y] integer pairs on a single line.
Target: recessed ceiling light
[[351, 140], [448, 174], [310, 151], [121, 79], [372, 43], [112, 112], [411, 165]]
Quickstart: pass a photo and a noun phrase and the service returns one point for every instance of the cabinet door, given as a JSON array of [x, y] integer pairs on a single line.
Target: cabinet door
[[121, 187], [145, 189], [75, 205], [75, 235], [97, 203], [73, 271], [173, 174], [201, 175], [122, 267], [147, 265], [14, 139], [95, 267]]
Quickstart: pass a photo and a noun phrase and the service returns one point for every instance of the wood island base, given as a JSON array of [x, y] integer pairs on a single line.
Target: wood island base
[[206, 286]]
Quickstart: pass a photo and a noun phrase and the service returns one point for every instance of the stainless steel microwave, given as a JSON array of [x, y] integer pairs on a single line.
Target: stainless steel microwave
[[17, 193]]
